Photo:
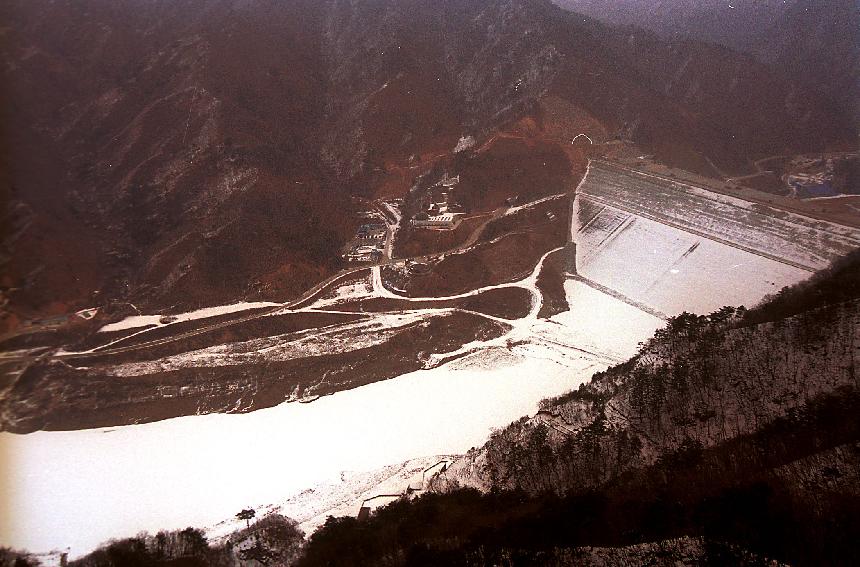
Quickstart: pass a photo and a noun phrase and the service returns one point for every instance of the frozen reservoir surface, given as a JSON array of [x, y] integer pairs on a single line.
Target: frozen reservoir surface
[[76, 489], [79, 488]]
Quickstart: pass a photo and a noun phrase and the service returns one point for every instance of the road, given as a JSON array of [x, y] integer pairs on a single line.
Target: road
[[392, 222], [305, 297], [311, 293]]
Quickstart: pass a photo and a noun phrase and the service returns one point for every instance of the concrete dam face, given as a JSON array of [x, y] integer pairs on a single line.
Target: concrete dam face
[[668, 247]]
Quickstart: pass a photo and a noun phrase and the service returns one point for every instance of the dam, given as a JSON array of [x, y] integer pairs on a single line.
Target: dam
[[671, 247]]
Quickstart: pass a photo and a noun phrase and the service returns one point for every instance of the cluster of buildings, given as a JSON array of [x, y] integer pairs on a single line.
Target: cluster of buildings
[[814, 184], [369, 243], [440, 208]]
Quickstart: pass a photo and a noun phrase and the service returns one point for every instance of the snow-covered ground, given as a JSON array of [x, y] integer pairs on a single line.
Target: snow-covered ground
[[345, 495], [350, 291], [334, 339], [136, 321], [80, 488], [533, 204], [792, 238], [599, 323]]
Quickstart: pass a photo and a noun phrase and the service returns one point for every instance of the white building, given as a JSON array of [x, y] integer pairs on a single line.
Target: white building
[[447, 220]]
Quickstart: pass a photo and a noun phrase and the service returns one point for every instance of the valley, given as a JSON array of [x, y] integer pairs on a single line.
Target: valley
[[439, 282], [623, 267]]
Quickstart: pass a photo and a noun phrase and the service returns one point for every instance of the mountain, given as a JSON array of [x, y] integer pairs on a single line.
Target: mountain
[[815, 44], [732, 24], [150, 147], [729, 439], [224, 206], [170, 157], [818, 44], [175, 155]]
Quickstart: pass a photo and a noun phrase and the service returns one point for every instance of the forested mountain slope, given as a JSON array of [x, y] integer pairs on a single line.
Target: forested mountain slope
[[739, 428], [813, 43]]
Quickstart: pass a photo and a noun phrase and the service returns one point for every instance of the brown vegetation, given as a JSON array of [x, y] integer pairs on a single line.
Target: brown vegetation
[[550, 282], [509, 259], [509, 167], [266, 326], [148, 333], [211, 156], [766, 183]]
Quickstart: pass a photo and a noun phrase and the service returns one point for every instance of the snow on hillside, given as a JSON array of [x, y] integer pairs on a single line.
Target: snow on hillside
[[345, 495]]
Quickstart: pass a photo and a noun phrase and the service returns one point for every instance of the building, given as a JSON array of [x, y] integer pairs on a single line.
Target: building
[[365, 253], [446, 220], [371, 230], [375, 502], [449, 181]]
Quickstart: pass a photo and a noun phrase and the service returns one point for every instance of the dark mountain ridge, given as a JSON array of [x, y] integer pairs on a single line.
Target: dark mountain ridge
[[814, 44], [818, 44], [735, 24]]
